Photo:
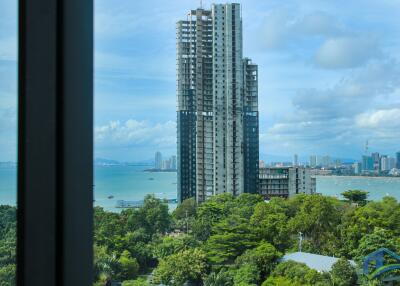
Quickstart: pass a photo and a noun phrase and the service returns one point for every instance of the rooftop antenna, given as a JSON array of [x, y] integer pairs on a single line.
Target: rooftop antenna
[[300, 240]]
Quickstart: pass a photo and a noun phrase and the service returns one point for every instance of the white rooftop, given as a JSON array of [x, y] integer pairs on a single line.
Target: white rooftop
[[314, 261]]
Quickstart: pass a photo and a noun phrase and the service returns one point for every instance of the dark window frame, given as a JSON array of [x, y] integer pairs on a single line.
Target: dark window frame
[[55, 143]]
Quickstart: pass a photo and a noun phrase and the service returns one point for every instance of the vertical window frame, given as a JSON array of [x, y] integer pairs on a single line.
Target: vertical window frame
[[55, 143]]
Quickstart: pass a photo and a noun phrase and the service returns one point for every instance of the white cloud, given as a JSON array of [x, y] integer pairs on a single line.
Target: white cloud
[[339, 119], [361, 90], [347, 52], [383, 119], [136, 133], [283, 29], [319, 23]]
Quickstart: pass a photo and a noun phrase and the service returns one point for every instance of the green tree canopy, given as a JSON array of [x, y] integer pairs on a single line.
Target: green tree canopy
[[358, 222], [171, 245], [187, 208], [222, 277], [269, 222], [317, 218], [298, 273], [343, 273], [129, 266], [377, 239], [356, 196], [264, 257], [230, 238], [179, 268], [247, 275]]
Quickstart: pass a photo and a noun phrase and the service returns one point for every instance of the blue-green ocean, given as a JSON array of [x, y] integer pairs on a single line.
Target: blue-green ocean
[[132, 183]]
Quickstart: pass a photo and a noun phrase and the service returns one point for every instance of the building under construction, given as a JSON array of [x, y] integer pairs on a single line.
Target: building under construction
[[217, 113]]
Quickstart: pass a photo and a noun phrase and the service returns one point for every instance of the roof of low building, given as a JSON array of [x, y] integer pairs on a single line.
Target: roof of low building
[[314, 261]]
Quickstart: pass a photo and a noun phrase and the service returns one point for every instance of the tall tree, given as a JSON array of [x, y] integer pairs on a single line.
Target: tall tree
[[179, 268], [343, 273], [356, 196]]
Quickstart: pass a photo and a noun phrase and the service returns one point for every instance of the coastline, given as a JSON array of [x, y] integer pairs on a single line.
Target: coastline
[[359, 177]]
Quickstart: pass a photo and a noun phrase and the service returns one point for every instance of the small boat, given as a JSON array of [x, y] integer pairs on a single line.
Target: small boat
[[151, 179], [110, 197]]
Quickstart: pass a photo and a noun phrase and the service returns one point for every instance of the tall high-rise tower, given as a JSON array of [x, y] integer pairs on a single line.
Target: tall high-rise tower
[[398, 160], [158, 160], [217, 112]]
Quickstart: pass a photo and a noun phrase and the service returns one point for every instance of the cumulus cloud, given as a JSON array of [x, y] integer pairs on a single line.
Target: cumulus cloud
[[382, 119], [136, 133], [347, 52], [282, 29], [345, 115], [332, 44], [319, 23], [352, 95]]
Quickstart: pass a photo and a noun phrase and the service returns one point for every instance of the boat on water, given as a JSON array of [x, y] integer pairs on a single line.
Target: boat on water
[[110, 197], [151, 179]]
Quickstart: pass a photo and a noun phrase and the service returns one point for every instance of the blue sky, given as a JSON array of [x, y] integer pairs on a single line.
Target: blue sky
[[329, 76]]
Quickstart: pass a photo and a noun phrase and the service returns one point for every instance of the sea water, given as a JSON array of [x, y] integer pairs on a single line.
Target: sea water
[[133, 183]]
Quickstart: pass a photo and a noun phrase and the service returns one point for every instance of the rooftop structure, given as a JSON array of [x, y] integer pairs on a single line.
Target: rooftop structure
[[321, 263]]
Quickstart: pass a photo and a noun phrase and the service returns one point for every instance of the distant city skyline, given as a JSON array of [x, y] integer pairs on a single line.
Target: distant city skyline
[[329, 76]]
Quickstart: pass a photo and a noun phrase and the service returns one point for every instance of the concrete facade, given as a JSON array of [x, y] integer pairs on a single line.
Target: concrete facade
[[211, 93], [286, 182]]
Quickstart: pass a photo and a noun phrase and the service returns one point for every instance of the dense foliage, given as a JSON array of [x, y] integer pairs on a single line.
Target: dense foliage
[[8, 223], [229, 241]]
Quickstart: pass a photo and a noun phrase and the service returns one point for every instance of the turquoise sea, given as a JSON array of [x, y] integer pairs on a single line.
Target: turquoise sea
[[132, 183]]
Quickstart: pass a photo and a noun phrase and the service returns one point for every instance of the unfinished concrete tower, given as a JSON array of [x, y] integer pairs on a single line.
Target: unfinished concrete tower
[[215, 97]]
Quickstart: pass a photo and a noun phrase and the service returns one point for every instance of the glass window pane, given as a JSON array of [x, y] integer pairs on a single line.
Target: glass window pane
[[8, 140], [232, 137]]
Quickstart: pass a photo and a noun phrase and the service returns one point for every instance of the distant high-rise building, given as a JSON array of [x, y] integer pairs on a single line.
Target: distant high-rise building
[[376, 161], [295, 160], [357, 168], [217, 116], [313, 161], [158, 161], [337, 163], [367, 163], [384, 163], [173, 162], [166, 164], [391, 163], [324, 161], [398, 160]]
